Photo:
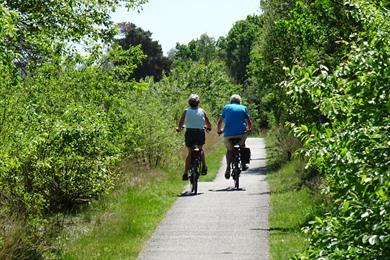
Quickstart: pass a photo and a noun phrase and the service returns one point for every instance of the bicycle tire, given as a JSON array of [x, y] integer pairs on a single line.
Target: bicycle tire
[[236, 171], [196, 163], [195, 182], [237, 180], [194, 177]]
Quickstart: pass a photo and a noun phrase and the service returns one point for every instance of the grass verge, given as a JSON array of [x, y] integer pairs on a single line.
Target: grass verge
[[293, 204], [117, 226]]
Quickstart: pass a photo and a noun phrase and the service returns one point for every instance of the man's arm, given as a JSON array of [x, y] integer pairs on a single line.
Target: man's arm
[[219, 125], [248, 124]]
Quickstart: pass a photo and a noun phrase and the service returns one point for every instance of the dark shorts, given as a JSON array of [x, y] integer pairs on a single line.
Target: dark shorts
[[194, 136], [229, 144]]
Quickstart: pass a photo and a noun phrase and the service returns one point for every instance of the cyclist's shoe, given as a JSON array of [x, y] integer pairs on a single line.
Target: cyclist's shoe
[[185, 177], [227, 173], [244, 167], [204, 170]]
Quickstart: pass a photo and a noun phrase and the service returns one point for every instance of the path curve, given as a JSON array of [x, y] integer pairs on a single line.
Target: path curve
[[220, 222]]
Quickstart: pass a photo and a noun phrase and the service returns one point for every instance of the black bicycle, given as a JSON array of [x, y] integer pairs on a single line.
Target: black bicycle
[[195, 168], [236, 162]]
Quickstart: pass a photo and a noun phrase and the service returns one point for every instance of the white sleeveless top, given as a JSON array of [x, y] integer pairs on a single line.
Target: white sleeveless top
[[194, 118]]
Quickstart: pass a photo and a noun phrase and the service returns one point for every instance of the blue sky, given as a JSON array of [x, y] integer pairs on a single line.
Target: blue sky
[[172, 21]]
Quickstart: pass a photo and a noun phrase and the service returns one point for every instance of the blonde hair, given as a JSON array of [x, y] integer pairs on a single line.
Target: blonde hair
[[235, 99], [193, 100]]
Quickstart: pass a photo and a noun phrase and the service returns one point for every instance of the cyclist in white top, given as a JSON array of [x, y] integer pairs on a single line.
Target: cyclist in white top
[[196, 122]]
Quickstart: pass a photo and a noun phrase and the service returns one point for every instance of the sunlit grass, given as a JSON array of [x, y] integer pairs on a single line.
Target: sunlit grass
[[213, 161], [293, 204], [119, 231]]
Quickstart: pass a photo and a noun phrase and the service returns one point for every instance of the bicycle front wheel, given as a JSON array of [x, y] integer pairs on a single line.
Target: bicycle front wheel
[[236, 177]]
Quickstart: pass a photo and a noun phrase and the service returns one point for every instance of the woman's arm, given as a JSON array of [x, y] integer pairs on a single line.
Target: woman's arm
[[180, 124], [207, 122]]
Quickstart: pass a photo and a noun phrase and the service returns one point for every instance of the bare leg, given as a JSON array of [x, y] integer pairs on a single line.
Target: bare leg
[[202, 156], [229, 156], [187, 164]]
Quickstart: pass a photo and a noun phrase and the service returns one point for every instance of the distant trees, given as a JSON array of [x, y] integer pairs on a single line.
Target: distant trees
[[155, 64], [203, 49]]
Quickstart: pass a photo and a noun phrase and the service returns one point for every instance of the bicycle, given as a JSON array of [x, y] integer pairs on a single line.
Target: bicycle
[[196, 165], [236, 162], [195, 168]]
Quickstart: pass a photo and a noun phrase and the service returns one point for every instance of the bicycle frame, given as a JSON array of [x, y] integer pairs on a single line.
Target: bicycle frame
[[194, 171], [236, 163]]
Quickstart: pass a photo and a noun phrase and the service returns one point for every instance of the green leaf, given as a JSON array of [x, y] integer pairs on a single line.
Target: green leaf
[[373, 239], [345, 206], [318, 220]]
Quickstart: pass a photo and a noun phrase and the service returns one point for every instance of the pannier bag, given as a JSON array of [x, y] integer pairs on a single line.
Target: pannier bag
[[245, 154]]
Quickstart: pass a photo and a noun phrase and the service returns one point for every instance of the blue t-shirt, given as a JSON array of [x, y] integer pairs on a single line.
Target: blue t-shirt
[[234, 117]]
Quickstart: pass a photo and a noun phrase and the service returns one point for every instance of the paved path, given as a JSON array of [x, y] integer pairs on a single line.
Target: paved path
[[220, 222]]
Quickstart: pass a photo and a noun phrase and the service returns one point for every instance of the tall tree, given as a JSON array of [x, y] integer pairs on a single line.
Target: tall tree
[[272, 50], [155, 63], [239, 43]]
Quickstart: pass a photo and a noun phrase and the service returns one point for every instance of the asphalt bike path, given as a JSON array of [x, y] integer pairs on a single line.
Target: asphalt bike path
[[219, 222]]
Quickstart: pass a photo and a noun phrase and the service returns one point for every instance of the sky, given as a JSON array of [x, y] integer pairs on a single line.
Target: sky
[[172, 21]]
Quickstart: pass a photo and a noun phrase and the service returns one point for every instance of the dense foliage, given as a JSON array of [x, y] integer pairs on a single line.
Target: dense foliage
[[352, 149], [320, 68], [66, 121]]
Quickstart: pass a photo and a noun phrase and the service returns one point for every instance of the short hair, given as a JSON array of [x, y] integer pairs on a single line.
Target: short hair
[[235, 99], [193, 100]]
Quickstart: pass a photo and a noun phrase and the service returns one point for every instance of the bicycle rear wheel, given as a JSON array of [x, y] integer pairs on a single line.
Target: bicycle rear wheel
[[194, 181], [236, 177]]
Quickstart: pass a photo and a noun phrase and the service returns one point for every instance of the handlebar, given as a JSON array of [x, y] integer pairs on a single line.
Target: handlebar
[[207, 129], [220, 131]]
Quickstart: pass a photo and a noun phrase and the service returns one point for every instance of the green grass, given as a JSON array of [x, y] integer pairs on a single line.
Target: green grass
[[292, 205], [213, 161], [118, 229], [117, 226]]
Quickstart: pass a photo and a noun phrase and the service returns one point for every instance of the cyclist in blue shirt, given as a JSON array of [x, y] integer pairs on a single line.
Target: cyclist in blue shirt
[[237, 123], [196, 122]]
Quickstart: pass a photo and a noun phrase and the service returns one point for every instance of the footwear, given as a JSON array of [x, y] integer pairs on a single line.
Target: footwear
[[185, 177], [244, 167], [227, 173], [204, 170]]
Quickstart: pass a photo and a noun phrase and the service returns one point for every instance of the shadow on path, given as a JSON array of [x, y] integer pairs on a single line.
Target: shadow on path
[[280, 229], [256, 170], [229, 189], [188, 194]]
